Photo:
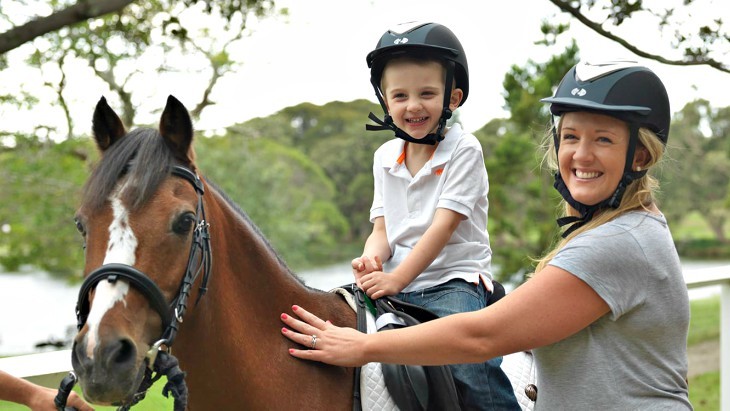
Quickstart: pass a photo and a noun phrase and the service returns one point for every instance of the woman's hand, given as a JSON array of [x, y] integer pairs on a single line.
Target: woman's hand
[[43, 401], [324, 341]]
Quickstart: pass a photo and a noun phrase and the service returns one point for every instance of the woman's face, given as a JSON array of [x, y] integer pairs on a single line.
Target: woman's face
[[592, 155]]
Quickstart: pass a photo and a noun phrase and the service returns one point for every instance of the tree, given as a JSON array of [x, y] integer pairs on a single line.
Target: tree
[[696, 178], [284, 192], [521, 227], [39, 191], [701, 37], [113, 35], [66, 15]]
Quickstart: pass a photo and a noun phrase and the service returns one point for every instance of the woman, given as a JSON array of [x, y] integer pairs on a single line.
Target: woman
[[606, 312]]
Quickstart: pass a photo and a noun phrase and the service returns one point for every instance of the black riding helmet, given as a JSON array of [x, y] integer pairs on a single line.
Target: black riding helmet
[[428, 40], [621, 89]]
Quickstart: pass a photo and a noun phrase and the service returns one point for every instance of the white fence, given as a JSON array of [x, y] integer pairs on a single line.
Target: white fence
[[49, 368], [718, 276]]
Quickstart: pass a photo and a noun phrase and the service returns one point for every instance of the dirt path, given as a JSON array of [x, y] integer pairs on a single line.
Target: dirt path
[[703, 358]]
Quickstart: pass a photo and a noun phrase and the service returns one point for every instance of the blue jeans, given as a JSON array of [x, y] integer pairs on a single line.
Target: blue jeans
[[481, 386]]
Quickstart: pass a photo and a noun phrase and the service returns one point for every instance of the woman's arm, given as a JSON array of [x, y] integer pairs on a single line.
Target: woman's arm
[[34, 396], [551, 306]]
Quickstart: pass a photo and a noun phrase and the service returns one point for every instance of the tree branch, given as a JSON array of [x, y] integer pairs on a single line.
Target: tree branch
[[565, 6], [82, 10]]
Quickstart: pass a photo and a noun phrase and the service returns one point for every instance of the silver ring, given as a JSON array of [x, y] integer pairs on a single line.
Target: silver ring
[[313, 344]]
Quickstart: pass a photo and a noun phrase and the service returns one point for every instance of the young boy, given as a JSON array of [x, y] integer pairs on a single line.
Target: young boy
[[429, 209]]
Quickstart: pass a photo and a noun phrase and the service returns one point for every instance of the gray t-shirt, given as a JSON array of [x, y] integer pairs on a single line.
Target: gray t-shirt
[[634, 357]]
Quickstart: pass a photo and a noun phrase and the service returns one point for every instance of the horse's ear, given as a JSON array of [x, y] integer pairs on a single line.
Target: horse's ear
[[177, 129], [106, 125]]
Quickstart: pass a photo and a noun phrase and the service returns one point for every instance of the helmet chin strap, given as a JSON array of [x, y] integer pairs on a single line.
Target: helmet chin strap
[[388, 124], [588, 211]]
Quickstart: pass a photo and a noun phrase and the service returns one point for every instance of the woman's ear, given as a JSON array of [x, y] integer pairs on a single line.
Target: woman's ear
[[641, 158], [456, 95]]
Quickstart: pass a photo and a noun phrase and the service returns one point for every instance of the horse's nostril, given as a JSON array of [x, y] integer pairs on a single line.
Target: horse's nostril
[[126, 352], [120, 353]]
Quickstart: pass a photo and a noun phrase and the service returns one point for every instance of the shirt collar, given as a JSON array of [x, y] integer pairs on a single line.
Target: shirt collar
[[395, 152]]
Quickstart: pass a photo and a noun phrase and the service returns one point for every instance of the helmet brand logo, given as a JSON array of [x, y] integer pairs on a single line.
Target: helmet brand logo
[[401, 40], [580, 92]]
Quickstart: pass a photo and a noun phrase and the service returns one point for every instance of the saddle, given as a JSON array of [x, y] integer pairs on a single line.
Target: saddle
[[412, 387]]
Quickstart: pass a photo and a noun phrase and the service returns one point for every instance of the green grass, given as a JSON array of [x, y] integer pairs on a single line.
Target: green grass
[[704, 391], [154, 401], [705, 322]]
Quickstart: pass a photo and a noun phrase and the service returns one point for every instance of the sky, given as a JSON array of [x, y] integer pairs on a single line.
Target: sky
[[317, 54]]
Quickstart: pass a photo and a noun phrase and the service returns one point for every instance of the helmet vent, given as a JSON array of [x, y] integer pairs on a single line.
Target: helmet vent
[[588, 71]]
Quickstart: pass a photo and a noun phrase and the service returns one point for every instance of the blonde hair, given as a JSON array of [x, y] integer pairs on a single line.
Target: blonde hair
[[639, 194]]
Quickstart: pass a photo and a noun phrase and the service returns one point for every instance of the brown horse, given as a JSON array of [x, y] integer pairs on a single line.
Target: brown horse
[[145, 216]]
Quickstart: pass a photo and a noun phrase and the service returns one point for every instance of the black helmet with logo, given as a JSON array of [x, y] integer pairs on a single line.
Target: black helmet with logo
[[428, 40], [621, 89], [425, 39]]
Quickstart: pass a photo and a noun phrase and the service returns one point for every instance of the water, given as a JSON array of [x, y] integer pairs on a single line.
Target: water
[[35, 307]]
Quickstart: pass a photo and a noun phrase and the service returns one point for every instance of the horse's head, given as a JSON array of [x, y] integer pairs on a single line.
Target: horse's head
[[142, 219]]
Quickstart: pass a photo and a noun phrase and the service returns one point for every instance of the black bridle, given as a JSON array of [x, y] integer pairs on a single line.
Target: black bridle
[[199, 262]]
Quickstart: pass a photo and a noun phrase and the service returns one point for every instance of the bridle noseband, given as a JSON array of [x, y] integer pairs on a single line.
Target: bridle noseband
[[199, 262]]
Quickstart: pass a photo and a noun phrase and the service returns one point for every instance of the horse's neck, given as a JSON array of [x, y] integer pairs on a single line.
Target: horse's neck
[[234, 334], [248, 269]]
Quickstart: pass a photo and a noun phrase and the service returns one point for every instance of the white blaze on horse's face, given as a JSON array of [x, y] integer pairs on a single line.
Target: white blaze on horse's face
[[121, 249]]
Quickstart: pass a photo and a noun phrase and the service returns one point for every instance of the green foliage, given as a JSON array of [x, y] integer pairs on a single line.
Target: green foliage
[[304, 176], [334, 136], [521, 227], [696, 175], [39, 196], [285, 193]]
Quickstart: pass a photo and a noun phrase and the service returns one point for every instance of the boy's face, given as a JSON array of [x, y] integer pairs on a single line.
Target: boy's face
[[414, 95]]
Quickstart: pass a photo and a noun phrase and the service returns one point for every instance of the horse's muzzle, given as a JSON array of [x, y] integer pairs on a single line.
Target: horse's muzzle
[[113, 373]]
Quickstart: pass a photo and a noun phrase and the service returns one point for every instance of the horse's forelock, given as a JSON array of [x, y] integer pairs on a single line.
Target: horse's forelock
[[143, 157]]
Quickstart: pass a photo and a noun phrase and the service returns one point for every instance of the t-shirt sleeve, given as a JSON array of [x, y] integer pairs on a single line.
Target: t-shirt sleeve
[[466, 181], [609, 260]]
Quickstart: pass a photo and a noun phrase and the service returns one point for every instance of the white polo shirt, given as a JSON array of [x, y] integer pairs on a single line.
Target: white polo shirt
[[454, 178]]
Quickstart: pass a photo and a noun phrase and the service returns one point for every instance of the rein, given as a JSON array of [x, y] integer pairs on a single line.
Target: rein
[[159, 358]]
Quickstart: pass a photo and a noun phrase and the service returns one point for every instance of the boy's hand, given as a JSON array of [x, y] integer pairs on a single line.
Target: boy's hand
[[365, 265], [378, 284]]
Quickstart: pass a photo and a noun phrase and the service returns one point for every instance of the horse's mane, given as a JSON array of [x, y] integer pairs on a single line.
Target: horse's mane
[[145, 159], [143, 156]]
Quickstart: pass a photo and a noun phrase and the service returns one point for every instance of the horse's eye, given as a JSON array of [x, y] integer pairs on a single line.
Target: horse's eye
[[80, 226], [184, 224]]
